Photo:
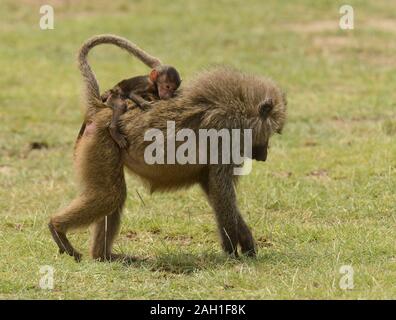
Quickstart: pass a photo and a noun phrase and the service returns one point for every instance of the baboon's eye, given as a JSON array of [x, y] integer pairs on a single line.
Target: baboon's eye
[[265, 108]]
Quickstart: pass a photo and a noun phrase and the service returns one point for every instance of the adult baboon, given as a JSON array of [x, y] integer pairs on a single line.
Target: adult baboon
[[215, 99]]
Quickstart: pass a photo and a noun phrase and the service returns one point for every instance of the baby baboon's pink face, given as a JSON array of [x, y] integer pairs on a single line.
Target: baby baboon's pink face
[[166, 87]]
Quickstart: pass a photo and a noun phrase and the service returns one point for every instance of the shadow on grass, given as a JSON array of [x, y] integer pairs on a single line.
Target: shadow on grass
[[183, 263], [187, 263]]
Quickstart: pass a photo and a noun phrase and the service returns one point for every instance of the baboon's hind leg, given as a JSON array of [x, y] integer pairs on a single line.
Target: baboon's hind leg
[[83, 210], [103, 235], [103, 187], [63, 243]]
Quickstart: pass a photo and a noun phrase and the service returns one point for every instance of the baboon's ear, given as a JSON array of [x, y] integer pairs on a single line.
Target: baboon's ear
[[265, 108], [153, 75]]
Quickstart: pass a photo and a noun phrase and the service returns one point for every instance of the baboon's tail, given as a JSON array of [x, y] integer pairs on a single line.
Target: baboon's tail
[[92, 86]]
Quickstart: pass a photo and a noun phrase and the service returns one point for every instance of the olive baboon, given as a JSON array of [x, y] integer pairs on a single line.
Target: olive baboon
[[215, 99]]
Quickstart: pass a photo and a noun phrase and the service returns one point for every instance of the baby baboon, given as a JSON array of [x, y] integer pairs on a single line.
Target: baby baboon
[[217, 99], [161, 83]]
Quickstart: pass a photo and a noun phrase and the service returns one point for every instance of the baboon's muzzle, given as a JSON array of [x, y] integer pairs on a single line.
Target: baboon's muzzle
[[259, 153]]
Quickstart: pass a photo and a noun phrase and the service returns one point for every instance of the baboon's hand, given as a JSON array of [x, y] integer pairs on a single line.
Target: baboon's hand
[[145, 105]]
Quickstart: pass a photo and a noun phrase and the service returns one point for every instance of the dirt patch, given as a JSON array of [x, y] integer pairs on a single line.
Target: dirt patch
[[6, 170], [333, 47], [370, 50], [263, 242], [155, 230], [344, 123], [333, 42], [319, 174], [315, 26], [310, 143], [180, 239], [282, 174], [386, 25], [131, 235]]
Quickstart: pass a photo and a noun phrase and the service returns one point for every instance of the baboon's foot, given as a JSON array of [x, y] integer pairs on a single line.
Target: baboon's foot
[[248, 247], [229, 242], [245, 240], [230, 247], [231, 250], [63, 243], [252, 253]]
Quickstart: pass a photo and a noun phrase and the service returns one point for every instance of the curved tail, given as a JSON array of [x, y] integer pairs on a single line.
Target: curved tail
[[92, 86]]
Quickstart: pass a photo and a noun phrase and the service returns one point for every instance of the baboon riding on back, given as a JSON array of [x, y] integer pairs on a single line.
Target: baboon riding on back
[[221, 98]]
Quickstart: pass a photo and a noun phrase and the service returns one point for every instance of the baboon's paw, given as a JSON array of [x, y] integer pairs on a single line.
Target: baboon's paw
[[63, 243], [77, 256], [251, 253]]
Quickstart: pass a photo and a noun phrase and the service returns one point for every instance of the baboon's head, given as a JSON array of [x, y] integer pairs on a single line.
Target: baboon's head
[[259, 104], [271, 119], [232, 99]]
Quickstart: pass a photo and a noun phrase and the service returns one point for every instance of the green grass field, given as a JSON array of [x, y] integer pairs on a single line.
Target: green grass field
[[325, 198]]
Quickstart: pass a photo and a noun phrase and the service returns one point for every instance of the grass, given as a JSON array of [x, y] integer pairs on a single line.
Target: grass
[[325, 198]]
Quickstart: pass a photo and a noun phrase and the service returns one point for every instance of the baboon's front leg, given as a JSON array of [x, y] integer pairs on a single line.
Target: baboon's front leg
[[220, 191], [219, 188]]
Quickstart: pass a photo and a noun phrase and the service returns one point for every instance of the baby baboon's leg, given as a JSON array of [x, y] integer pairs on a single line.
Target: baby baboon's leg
[[219, 188], [119, 107], [100, 167]]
